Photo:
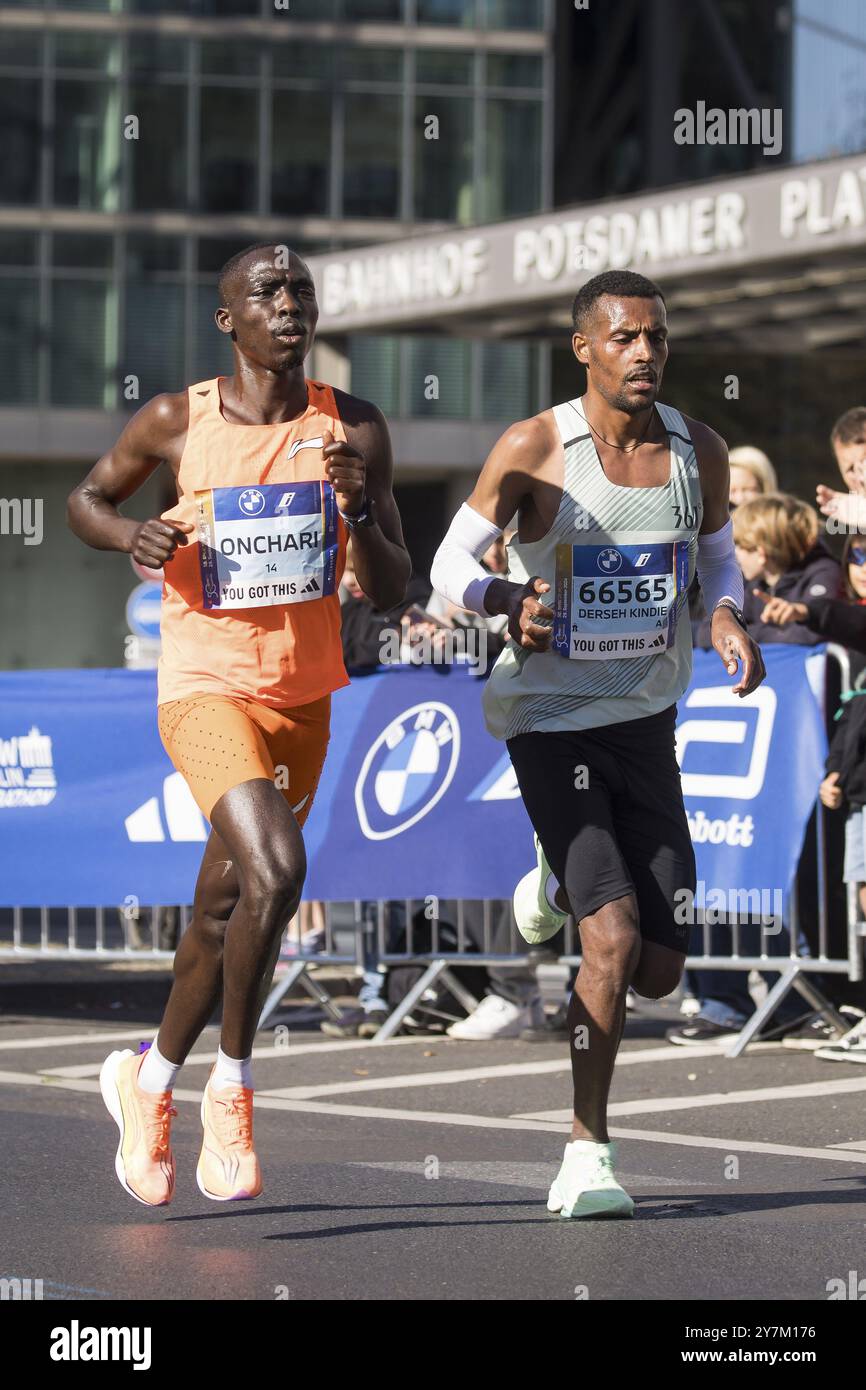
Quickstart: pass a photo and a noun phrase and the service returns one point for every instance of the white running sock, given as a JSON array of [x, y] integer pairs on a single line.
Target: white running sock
[[229, 1071], [157, 1073]]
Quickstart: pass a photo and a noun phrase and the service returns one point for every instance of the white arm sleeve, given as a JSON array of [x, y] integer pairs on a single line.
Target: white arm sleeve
[[718, 572], [456, 572]]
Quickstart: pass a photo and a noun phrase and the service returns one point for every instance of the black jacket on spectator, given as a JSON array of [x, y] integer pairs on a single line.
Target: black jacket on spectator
[[817, 576], [834, 620], [362, 626]]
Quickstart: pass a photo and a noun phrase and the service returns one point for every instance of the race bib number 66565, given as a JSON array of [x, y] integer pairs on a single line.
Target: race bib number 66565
[[614, 601]]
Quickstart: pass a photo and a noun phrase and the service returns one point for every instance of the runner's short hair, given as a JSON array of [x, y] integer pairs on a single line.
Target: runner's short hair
[[234, 261], [622, 284], [850, 428]]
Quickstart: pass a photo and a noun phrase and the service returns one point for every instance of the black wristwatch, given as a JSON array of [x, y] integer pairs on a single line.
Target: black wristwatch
[[732, 607], [365, 517]]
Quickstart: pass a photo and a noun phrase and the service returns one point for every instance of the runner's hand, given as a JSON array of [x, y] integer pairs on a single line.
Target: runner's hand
[[155, 541], [346, 471], [779, 611], [735, 646], [530, 622], [830, 792]]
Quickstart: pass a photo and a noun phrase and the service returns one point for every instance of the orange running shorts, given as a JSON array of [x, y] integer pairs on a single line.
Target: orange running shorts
[[218, 741]]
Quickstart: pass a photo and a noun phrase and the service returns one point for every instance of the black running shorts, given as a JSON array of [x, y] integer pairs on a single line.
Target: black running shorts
[[607, 805]]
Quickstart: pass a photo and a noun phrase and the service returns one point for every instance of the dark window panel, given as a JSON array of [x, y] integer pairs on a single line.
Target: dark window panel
[[153, 347], [453, 12], [78, 344], [372, 64], [149, 252], [87, 140], [314, 61], [301, 153], [22, 139], [371, 185], [514, 70], [81, 251], [375, 366], [443, 167], [92, 52], [158, 157], [212, 354], [18, 248], [513, 158], [213, 252], [229, 150], [373, 9], [157, 53], [20, 50], [228, 58], [19, 339], [442, 67], [448, 359], [514, 14]]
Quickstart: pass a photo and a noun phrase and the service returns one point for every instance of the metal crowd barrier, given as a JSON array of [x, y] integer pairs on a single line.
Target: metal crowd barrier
[[359, 936]]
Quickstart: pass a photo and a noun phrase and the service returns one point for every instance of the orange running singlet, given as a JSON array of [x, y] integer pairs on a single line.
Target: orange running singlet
[[250, 605]]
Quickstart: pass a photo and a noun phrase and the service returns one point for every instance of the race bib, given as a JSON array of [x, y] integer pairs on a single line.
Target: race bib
[[617, 601], [273, 543]]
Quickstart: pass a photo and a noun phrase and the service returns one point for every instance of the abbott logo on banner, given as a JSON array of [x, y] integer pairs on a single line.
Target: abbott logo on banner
[[734, 786], [407, 770]]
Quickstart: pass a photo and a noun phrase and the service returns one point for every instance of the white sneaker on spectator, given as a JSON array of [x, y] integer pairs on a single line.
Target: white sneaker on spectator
[[850, 1048], [496, 1017]]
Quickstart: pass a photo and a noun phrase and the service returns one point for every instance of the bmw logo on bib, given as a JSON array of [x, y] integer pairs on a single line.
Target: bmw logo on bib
[[407, 770], [251, 501], [609, 561]]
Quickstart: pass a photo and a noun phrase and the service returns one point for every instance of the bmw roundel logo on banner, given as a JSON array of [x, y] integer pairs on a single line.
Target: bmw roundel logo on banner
[[143, 608], [407, 770]]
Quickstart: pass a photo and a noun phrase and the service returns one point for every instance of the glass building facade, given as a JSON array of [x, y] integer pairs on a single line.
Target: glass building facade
[[148, 140]]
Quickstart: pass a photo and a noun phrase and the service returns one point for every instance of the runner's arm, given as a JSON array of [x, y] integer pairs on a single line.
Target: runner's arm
[[718, 571], [382, 563], [152, 435], [502, 489]]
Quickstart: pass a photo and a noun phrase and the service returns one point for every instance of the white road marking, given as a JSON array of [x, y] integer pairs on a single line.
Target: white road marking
[[662, 1104], [851, 1144], [207, 1059], [370, 1112], [412, 1081], [68, 1040]]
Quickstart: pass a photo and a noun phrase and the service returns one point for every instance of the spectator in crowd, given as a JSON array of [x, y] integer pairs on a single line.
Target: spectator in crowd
[[777, 544], [848, 442], [844, 786], [752, 475], [780, 553]]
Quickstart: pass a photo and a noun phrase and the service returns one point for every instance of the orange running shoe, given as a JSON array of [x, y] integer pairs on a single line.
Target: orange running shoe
[[144, 1163], [228, 1168]]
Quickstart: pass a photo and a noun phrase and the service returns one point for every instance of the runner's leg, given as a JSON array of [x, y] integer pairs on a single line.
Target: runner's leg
[[610, 951], [264, 842], [198, 961]]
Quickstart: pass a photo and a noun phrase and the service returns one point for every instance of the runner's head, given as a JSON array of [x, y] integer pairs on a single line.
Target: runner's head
[[620, 336], [268, 305]]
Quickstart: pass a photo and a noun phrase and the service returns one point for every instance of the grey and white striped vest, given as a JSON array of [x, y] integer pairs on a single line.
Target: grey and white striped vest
[[614, 545]]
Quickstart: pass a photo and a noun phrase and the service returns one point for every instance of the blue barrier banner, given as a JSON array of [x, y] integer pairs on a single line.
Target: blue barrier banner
[[416, 798]]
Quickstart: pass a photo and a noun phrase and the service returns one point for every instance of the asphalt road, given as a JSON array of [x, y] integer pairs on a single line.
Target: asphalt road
[[419, 1169]]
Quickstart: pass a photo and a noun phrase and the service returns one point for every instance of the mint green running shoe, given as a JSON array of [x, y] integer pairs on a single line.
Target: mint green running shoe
[[536, 920], [586, 1185]]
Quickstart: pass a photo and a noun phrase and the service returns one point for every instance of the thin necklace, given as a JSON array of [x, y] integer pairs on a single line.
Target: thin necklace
[[624, 448]]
